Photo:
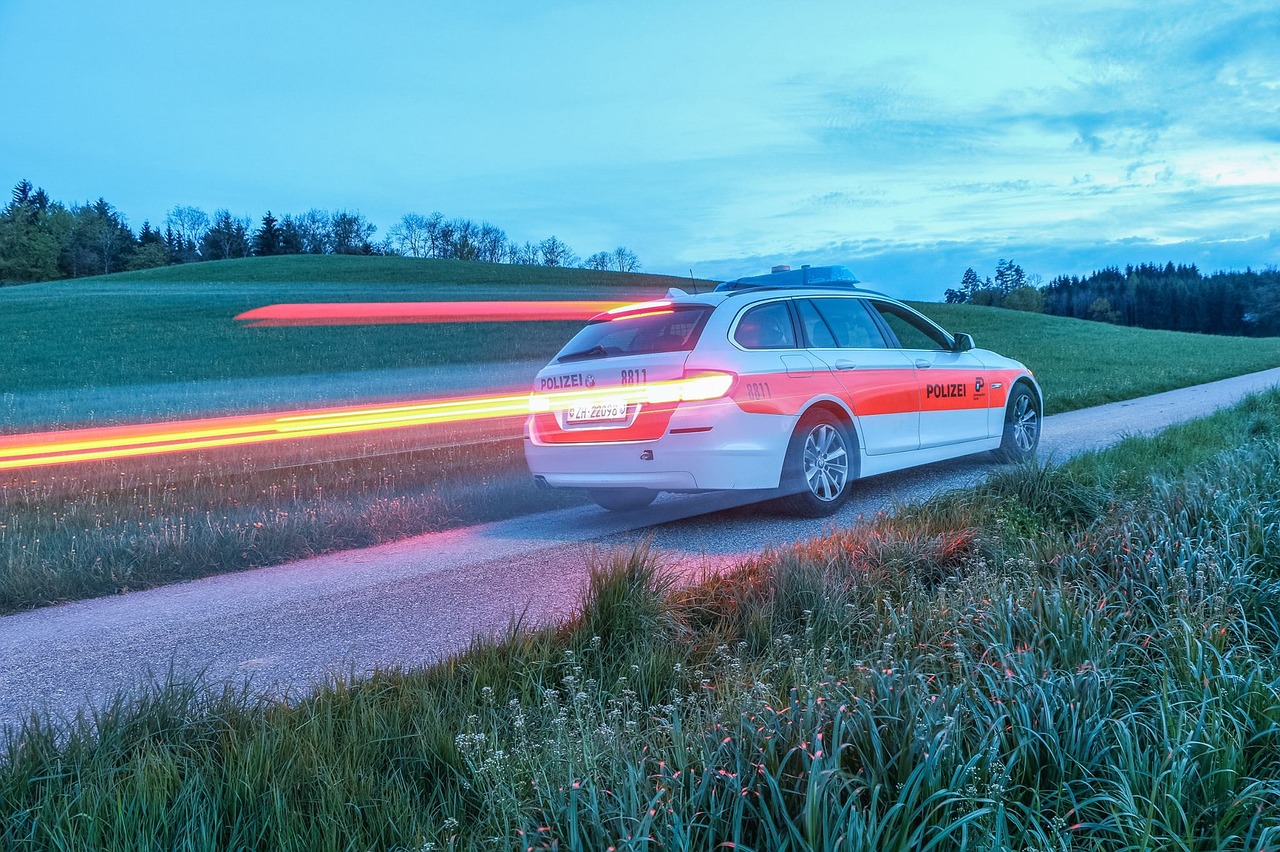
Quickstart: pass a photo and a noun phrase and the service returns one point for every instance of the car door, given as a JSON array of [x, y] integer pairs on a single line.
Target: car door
[[777, 376], [952, 385], [877, 382]]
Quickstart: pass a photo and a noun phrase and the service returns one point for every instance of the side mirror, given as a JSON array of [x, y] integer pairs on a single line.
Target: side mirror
[[963, 342]]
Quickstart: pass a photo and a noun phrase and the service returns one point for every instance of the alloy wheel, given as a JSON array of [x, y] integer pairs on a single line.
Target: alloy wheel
[[826, 462]]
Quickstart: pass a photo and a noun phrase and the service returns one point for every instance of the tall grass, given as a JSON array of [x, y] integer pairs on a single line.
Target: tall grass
[[1049, 661]]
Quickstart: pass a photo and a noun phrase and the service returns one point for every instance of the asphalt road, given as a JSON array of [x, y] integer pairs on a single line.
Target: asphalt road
[[416, 601]]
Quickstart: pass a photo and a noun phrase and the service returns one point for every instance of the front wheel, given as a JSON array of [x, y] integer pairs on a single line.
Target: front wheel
[[622, 499], [819, 466], [1021, 427]]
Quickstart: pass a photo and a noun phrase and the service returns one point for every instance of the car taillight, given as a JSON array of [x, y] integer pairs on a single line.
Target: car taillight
[[691, 387]]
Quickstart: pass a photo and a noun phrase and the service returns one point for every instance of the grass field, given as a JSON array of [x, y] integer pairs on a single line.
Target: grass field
[[1063, 658], [176, 324], [73, 532]]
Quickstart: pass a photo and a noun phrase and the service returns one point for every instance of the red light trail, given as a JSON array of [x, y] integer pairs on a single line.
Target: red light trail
[[115, 442], [394, 313]]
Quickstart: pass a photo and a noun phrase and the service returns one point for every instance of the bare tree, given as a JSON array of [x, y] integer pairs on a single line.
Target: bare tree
[[527, 254], [464, 236], [556, 253], [436, 241], [625, 260], [411, 235], [491, 243], [601, 260], [352, 233], [313, 232], [189, 225]]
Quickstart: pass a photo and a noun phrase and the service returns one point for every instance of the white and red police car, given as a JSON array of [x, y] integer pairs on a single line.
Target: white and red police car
[[797, 382]]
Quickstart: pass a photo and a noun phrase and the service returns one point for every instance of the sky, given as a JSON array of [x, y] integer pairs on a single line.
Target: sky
[[906, 140]]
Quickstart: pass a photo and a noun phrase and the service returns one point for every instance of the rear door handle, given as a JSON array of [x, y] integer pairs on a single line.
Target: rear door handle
[[842, 364], [924, 363]]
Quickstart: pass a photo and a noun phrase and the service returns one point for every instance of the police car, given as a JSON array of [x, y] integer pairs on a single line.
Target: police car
[[797, 382]]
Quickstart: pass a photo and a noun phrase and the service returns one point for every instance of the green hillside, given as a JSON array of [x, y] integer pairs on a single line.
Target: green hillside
[[355, 269], [176, 324]]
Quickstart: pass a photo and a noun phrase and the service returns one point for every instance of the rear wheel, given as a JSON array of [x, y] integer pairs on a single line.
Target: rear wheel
[[622, 499], [819, 466], [1021, 426]]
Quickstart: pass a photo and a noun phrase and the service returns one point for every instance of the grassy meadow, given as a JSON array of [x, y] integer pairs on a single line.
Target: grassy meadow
[[176, 324], [1080, 657], [75, 531]]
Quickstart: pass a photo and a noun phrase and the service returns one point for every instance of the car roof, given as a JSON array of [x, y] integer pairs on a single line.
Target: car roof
[[756, 287], [806, 276], [812, 280]]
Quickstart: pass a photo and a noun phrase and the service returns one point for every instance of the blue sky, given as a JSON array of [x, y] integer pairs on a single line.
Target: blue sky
[[907, 140]]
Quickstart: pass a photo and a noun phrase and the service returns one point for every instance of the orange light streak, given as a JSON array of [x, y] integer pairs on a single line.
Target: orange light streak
[[51, 448], [394, 313], [617, 317], [41, 449]]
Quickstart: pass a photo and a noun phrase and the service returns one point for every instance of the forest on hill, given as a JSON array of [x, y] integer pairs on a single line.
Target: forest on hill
[[1150, 295], [43, 240]]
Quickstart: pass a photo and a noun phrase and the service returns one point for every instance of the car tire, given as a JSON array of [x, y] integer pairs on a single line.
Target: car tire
[[622, 499], [1021, 426], [821, 462]]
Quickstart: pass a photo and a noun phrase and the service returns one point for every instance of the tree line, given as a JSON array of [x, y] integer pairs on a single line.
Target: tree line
[[1176, 297], [42, 239]]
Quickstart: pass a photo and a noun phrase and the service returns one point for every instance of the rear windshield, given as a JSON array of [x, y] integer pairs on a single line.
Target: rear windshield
[[673, 329]]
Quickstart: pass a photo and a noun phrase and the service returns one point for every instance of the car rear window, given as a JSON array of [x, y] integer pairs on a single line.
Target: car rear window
[[672, 329], [766, 326]]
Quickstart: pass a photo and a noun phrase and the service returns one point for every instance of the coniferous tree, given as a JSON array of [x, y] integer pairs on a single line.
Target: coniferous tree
[[33, 235], [290, 237], [227, 238], [268, 240]]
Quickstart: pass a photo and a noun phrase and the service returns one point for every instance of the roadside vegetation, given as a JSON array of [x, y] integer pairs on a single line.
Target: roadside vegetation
[[1071, 657], [76, 531]]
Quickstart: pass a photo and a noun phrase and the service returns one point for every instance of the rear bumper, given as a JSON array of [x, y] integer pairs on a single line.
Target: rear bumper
[[738, 451]]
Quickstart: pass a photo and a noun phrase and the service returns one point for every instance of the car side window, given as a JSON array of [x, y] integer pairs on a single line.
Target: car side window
[[766, 326], [852, 325], [817, 333], [912, 331]]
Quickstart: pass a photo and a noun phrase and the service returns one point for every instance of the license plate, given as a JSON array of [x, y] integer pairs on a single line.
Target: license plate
[[600, 411]]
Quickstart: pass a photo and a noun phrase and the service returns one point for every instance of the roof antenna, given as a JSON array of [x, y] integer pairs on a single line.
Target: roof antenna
[[692, 282]]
